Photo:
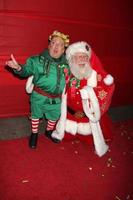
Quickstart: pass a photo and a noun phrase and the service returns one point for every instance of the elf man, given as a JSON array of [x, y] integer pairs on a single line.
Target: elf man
[[86, 98], [46, 72]]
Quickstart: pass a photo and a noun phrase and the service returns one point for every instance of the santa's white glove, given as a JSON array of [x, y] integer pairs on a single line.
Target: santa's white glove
[[84, 93]]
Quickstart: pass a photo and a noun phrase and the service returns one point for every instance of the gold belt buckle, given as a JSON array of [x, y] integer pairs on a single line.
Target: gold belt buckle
[[79, 114]]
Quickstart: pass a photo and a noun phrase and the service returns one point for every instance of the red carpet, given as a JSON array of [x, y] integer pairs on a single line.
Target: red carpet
[[69, 170]]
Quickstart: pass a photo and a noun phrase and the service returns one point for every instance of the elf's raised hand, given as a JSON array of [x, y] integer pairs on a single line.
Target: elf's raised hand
[[12, 63]]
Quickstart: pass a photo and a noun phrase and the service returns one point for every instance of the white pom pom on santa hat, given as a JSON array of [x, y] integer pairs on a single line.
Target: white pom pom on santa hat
[[78, 47], [108, 80]]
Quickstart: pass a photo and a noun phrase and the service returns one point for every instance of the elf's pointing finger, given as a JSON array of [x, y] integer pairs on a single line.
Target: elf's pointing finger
[[13, 59]]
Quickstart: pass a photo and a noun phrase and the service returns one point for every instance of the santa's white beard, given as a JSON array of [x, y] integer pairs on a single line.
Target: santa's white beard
[[80, 71]]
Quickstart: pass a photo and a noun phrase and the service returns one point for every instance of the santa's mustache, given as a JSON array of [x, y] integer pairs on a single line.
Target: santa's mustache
[[80, 70]]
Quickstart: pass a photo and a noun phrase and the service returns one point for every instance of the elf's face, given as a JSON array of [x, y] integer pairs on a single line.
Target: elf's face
[[56, 47]]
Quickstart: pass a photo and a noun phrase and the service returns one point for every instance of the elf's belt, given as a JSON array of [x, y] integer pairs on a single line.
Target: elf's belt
[[42, 92], [77, 114]]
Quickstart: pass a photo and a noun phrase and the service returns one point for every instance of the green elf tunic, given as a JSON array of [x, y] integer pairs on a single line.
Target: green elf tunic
[[49, 76]]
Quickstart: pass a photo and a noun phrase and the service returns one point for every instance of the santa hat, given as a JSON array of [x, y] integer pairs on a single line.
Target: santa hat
[[78, 47], [84, 47]]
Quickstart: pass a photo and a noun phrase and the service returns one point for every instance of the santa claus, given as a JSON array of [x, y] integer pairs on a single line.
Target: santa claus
[[86, 98]]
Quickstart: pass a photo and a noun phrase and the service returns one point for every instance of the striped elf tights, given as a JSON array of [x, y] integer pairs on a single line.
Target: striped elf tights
[[34, 135], [50, 125], [35, 125]]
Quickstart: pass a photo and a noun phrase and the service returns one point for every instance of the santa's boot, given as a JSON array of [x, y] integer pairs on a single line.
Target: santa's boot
[[33, 140]]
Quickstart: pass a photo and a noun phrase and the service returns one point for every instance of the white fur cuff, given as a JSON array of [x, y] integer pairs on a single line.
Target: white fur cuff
[[29, 84]]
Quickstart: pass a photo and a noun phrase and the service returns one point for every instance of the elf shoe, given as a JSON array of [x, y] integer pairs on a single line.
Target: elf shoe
[[33, 140], [48, 135]]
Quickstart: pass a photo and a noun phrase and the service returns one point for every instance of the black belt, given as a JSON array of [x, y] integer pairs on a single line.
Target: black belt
[[78, 114]]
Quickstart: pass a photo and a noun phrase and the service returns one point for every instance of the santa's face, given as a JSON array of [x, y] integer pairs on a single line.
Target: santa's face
[[80, 66], [56, 47], [80, 59]]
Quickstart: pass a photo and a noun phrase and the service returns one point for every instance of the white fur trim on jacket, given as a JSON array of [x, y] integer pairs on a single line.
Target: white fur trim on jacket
[[108, 80], [91, 105], [60, 127], [92, 111], [100, 146], [74, 127], [91, 82], [29, 84]]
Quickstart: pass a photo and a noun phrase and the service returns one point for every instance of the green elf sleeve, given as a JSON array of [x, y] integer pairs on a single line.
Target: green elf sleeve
[[28, 68]]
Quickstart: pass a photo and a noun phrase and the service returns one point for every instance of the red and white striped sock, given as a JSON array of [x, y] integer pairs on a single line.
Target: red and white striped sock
[[34, 125], [50, 125]]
